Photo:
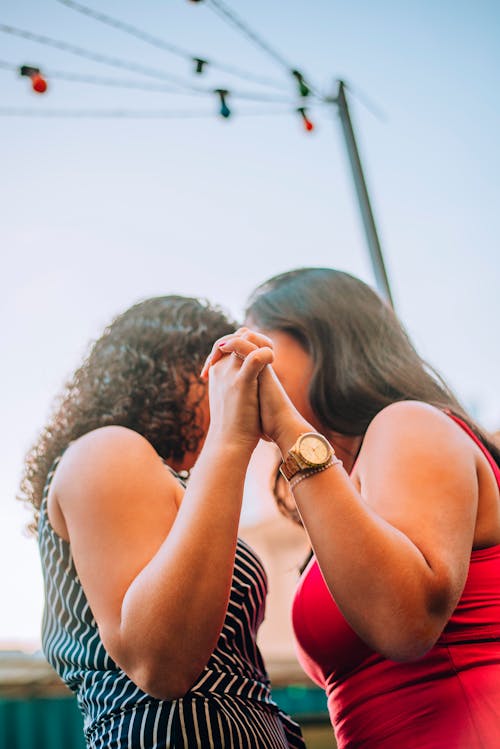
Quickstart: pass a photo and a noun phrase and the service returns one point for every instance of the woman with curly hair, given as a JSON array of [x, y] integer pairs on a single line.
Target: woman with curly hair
[[397, 614], [152, 603]]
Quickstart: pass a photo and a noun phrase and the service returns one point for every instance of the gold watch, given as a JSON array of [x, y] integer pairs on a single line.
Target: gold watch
[[311, 450]]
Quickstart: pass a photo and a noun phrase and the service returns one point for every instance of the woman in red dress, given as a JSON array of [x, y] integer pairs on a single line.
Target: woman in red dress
[[397, 615]]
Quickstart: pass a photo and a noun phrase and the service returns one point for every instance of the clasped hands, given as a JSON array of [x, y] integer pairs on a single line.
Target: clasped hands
[[277, 411]]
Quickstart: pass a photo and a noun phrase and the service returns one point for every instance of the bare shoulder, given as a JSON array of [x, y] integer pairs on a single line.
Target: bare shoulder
[[401, 411], [111, 458], [412, 434], [418, 421], [414, 462], [106, 442]]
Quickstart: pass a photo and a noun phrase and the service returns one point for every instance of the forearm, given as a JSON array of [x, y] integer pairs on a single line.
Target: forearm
[[380, 579], [174, 610]]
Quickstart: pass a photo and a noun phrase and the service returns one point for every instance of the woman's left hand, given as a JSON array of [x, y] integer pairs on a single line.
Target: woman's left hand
[[234, 392], [242, 342]]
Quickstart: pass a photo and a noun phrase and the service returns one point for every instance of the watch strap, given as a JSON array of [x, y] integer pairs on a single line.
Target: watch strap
[[290, 466]]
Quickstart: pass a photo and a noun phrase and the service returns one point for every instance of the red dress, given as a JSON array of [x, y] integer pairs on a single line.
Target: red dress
[[449, 699]]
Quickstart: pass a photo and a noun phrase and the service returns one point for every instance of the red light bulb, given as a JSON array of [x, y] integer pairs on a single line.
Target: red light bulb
[[305, 119], [38, 83]]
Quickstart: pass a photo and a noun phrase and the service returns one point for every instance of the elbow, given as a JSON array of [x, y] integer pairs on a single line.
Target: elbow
[[413, 640], [408, 650], [420, 629], [165, 673], [162, 680]]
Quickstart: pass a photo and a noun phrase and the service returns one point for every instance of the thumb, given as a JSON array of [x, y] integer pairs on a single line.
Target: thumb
[[255, 362]]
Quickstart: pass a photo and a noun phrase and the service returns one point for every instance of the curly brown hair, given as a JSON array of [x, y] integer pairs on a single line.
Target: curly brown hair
[[138, 374]]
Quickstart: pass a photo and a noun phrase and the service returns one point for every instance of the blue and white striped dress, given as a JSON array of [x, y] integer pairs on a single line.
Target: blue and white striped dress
[[229, 706]]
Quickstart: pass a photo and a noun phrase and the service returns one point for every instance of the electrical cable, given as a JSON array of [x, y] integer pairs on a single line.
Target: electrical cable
[[142, 86], [126, 114], [230, 17], [100, 58], [166, 45]]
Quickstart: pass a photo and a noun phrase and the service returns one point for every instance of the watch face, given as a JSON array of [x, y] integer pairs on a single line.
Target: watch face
[[315, 449]]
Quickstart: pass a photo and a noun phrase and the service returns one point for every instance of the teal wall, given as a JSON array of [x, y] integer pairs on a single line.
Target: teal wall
[[40, 723], [55, 722]]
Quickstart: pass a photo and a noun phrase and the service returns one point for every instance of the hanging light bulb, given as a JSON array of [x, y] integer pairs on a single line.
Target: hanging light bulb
[[224, 110], [38, 82], [302, 85], [199, 64], [307, 122]]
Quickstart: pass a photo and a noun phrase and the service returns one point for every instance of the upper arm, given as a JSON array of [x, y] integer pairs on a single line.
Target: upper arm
[[417, 470], [118, 501]]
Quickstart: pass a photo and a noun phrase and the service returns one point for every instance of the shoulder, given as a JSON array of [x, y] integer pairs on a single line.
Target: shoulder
[[412, 417], [417, 429], [109, 457], [414, 462], [402, 410], [109, 438]]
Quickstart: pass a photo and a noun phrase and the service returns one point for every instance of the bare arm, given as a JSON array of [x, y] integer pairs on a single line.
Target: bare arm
[[158, 581], [394, 541]]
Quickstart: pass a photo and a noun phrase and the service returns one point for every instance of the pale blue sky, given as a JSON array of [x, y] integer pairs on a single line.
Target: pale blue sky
[[97, 214]]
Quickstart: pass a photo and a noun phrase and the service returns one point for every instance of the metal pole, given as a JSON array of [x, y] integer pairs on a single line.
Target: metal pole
[[372, 239]]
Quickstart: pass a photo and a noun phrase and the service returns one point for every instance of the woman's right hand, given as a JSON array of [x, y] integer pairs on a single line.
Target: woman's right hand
[[233, 391], [278, 415]]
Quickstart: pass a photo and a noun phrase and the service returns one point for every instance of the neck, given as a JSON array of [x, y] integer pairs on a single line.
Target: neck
[[346, 448]]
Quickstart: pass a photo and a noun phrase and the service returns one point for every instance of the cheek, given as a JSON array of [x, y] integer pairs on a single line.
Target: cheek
[[296, 380]]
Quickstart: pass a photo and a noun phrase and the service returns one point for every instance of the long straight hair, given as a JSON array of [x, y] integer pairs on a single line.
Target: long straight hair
[[363, 359]]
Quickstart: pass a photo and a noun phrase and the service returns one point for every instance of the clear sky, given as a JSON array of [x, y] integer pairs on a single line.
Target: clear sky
[[99, 213]]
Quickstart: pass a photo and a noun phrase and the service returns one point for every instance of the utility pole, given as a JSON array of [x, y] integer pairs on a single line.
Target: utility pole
[[370, 228]]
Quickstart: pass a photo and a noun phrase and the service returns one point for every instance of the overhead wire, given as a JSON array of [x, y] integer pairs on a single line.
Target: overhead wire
[[228, 15], [168, 46], [96, 56], [143, 86], [127, 114], [95, 79], [184, 87]]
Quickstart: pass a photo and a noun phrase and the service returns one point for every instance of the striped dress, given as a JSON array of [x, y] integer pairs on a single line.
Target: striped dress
[[229, 706]]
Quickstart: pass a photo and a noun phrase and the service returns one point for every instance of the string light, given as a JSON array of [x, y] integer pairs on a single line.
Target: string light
[[145, 86], [304, 89], [168, 46], [224, 110], [100, 58], [199, 64], [38, 82], [307, 122], [166, 114], [219, 7]]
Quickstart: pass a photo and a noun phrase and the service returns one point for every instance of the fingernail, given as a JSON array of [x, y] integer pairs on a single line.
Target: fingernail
[[221, 345]]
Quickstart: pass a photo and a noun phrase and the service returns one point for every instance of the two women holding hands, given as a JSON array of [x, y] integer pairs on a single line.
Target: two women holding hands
[[152, 603], [397, 615]]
